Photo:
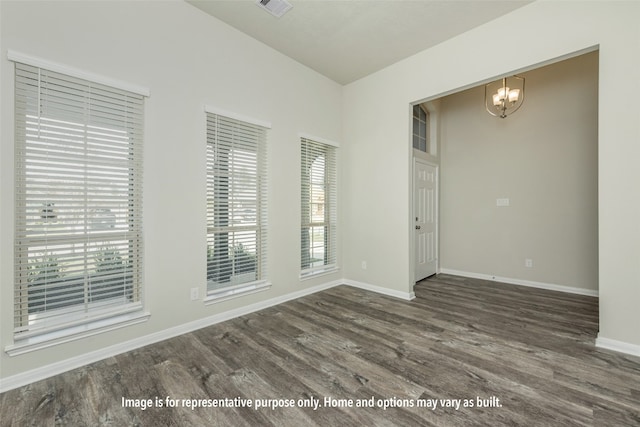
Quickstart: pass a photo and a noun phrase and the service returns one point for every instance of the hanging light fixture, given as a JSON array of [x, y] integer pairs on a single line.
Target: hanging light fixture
[[504, 96]]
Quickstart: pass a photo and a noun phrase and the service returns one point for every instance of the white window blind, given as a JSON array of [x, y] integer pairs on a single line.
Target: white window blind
[[319, 207], [236, 205], [78, 236]]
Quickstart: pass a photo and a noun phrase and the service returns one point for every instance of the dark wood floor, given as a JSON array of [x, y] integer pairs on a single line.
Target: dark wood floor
[[528, 354]]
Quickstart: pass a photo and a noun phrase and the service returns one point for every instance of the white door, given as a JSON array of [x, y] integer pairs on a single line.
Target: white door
[[425, 201]]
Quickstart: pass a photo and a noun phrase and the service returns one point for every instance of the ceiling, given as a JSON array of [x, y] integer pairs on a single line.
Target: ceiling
[[347, 40]]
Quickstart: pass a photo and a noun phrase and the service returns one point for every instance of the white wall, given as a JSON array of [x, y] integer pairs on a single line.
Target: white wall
[[544, 158], [176, 51], [377, 220], [186, 59]]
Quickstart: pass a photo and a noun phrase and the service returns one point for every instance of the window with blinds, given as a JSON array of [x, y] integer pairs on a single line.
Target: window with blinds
[[236, 206], [78, 235], [318, 206]]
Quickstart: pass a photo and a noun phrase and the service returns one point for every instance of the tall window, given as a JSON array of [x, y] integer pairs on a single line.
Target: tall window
[[319, 210], [420, 127], [236, 205], [78, 237]]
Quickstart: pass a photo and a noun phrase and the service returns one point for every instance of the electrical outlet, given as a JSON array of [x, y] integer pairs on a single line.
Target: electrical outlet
[[364, 265], [195, 294], [528, 263]]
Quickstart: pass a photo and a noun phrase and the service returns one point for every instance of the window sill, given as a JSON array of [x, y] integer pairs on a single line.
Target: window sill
[[50, 339], [305, 275], [231, 292]]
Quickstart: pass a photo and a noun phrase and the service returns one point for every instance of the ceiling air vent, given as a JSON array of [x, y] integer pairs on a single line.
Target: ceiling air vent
[[275, 7]]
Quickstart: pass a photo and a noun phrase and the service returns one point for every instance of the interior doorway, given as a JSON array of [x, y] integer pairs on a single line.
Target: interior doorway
[[500, 217]]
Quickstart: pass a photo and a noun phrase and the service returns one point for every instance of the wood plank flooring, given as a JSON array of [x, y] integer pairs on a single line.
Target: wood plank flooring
[[527, 354]]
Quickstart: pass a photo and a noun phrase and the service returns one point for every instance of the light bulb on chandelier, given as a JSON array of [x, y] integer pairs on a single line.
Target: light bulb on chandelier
[[507, 95]]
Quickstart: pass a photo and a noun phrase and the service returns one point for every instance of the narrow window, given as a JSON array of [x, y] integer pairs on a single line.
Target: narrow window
[[236, 206], [319, 210], [420, 127]]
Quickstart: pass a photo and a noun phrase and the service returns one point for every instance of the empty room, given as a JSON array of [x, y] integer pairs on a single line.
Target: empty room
[[319, 213]]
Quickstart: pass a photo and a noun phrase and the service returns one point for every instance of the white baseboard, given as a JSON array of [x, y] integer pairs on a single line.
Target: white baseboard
[[50, 370], [520, 282], [408, 296], [620, 346], [602, 342]]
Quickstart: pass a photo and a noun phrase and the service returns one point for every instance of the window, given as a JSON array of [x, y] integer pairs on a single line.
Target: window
[[236, 206], [78, 237], [420, 135], [319, 213]]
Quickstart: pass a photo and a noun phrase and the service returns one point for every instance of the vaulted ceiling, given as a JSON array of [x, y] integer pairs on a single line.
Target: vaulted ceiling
[[347, 40]]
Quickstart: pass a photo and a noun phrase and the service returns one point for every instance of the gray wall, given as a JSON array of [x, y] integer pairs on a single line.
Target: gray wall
[[544, 159]]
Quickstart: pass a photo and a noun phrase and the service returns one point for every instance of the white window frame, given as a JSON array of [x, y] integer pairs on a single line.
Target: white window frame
[[236, 211], [68, 125], [318, 188]]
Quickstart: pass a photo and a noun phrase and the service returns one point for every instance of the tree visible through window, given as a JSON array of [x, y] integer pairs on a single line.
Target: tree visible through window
[[236, 202], [78, 201]]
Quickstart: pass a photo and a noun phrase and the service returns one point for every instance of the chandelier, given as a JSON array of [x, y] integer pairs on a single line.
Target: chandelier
[[504, 97]]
